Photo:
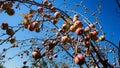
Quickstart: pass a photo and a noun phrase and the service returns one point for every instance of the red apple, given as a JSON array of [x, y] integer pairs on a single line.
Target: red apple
[[36, 54], [36, 24], [52, 8], [95, 32], [57, 15], [50, 4], [79, 59], [55, 55], [4, 26], [79, 31], [50, 57], [45, 2], [54, 21], [31, 27]]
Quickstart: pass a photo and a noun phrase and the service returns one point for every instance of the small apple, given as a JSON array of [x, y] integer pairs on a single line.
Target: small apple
[[50, 58], [55, 55], [24, 62], [75, 19], [57, 34], [25, 22], [37, 30], [10, 32], [57, 14], [87, 29], [31, 27], [40, 9], [4, 26], [79, 59], [36, 24], [36, 54], [72, 28], [66, 26], [95, 32], [54, 21], [92, 26], [86, 43], [48, 16], [78, 24], [50, 4], [102, 37], [45, 2], [79, 31], [64, 39], [31, 11], [10, 12], [52, 8], [12, 40], [9, 4], [4, 6]]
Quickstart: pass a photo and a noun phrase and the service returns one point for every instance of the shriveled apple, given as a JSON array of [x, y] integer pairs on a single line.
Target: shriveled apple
[[10, 32], [4, 26], [10, 12]]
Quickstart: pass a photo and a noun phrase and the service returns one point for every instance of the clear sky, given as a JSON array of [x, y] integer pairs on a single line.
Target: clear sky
[[109, 19]]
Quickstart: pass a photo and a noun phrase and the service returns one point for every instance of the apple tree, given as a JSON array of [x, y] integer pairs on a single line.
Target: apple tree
[[49, 36]]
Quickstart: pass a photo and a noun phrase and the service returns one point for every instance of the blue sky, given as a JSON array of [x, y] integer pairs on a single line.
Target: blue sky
[[109, 19]]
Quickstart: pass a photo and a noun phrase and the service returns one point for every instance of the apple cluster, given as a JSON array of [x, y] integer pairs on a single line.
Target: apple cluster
[[7, 7], [9, 31]]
